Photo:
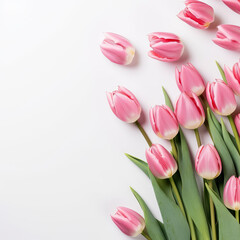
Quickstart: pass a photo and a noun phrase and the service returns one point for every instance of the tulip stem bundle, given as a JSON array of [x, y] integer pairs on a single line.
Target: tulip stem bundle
[[230, 118], [214, 234], [143, 133]]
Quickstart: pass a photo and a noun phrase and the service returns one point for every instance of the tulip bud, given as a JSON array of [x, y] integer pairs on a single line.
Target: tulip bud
[[124, 105], [208, 163], [161, 162], [167, 47], [221, 98], [164, 122], [233, 4], [228, 37], [117, 49], [128, 221], [237, 122], [233, 77], [189, 80], [231, 193], [197, 14], [189, 111]]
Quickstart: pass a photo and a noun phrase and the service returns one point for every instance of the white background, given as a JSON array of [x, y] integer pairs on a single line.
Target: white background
[[62, 167]]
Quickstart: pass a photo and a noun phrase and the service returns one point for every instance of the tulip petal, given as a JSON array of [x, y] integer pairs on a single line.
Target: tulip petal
[[190, 21], [232, 81], [233, 4], [201, 11]]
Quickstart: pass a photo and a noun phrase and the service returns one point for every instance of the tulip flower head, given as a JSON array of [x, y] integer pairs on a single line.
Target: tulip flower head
[[128, 221], [228, 37], [164, 122], [208, 163], [189, 80], [166, 47], [161, 162], [233, 77], [117, 49], [124, 105], [231, 193], [233, 4], [221, 98], [189, 111], [237, 123], [197, 14]]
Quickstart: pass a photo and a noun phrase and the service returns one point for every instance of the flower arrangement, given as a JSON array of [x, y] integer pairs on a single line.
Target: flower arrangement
[[187, 212]]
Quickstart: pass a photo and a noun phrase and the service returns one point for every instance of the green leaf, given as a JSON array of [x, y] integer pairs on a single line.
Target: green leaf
[[227, 162], [167, 99], [229, 229], [152, 225], [190, 193], [163, 183], [140, 163], [219, 128], [215, 121], [175, 223], [231, 147], [163, 229], [221, 72]]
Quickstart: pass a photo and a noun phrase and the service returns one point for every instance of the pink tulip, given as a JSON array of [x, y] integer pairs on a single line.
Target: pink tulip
[[164, 122], [189, 111], [189, 80], [208, 163], [197, 14], [237, 123], [124, 105], [117, 49], [233, 4], [231, 193], [233, 77], [161, 162], [128, 221], [167, 47], [228, 36], [221, 98]]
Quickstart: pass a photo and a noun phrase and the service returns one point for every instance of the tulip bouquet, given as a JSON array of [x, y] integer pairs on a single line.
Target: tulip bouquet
[[187, 212]]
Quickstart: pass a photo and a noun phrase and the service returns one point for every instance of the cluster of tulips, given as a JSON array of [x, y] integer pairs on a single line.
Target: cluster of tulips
[[168, 47], [185, 215]]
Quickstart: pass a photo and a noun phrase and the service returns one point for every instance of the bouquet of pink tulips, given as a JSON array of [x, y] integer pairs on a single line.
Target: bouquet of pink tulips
[[186, 213]]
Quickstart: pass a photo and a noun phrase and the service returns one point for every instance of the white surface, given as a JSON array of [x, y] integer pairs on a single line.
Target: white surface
[[62, 168]]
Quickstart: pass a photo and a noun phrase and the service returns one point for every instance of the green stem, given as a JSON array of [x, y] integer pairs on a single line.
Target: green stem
[[197, 137], [145, 234], [214, 234], [237, 215], [230, 118], [143, 133], [192, 229], [206, 105], [180, 203], [177, 195], [174, 149]]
